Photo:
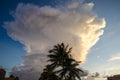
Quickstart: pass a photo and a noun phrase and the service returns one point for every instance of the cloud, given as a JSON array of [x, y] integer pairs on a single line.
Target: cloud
[[85, 73], [25, 74], [112, 68], [108, 67], [39, 28], [115, 57]]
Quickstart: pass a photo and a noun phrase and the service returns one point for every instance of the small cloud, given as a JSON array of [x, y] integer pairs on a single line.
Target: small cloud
[[98, 56], [84, 73], [115, 57]]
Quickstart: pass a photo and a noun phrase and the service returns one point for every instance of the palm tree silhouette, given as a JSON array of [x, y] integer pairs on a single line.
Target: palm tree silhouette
[[60, 57], [48, 74], [62, 65]]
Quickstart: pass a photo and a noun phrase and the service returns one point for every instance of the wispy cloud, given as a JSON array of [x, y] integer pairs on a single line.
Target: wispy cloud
[[115, 57]]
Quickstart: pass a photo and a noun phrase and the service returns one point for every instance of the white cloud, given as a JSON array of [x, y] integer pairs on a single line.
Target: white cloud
[[112, 68], [39, 28], [98, 56], [108, 67], [115, 57], [26, 74]]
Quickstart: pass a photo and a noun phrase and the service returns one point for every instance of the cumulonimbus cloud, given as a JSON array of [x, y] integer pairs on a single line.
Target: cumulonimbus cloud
[[39, 28]]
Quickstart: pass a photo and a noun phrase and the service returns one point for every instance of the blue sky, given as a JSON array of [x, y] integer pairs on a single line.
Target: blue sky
[[11, 51], [102, 55], [108, 45]]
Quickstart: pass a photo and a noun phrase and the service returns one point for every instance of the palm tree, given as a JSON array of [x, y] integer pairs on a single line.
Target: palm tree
[[60, 57], [70, 70], [48, 74]]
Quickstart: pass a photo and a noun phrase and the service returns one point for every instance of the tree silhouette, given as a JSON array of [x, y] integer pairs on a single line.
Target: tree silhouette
[[70, 70], [12, 76], [16, 78], [58, 55], [48, 74], [62, 65]]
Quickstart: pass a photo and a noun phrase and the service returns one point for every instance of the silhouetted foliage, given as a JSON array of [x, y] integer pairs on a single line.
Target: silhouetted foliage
[[48, 74], [2, 75], [62, 66], [11, 76], [16, 78]]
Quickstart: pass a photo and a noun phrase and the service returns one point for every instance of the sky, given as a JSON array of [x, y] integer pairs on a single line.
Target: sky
[[28, 30]]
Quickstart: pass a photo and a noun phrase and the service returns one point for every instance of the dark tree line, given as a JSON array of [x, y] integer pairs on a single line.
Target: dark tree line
[[2, 75]]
